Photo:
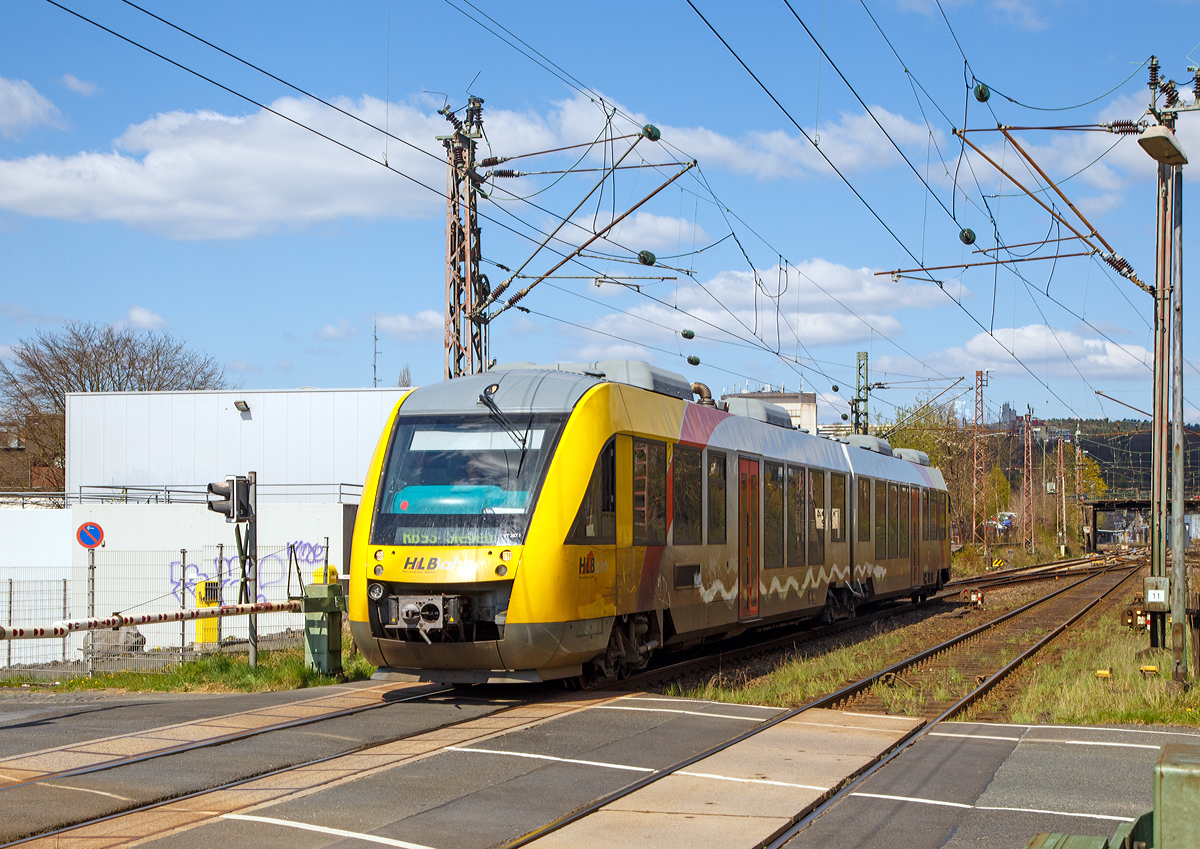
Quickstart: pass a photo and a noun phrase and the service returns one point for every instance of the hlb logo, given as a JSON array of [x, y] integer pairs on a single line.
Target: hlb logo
[[587, 564]]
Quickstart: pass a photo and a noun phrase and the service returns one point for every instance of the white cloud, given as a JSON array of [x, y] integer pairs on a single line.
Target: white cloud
[[203, 175], [647, 231], [87, 89], [1045, 351], [242, 366], [21, 315], [283, 365], [143, 319], [22, 108], [730, 307], [6, 352], [426, 324], [1021, 13], [206, 175], [343, 330]]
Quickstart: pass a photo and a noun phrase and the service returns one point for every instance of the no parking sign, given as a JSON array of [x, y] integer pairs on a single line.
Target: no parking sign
[[89, 535]]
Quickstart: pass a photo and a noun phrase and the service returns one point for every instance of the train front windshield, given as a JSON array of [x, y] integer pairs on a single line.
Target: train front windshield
[[462, 480]]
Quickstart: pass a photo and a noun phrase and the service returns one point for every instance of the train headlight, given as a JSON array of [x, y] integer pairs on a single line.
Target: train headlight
[[501, 570], [379, 554], [378, 570], [506, 555], [375, 592]]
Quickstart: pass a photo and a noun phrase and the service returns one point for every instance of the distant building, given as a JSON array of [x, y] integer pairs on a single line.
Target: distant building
[[801, 406], [1009, 417]]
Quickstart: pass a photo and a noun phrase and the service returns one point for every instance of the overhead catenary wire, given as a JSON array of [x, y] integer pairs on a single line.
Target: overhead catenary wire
[[574, 83], [871, 209], [333, 106]]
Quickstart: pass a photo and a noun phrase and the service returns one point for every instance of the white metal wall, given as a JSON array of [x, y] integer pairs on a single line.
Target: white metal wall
[[301, 437]]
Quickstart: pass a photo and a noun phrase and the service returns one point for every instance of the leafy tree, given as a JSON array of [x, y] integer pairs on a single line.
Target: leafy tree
[[87, 357], [934, 427]]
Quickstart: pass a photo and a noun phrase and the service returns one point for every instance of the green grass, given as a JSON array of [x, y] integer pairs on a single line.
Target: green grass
[[277, 670], [1064, 690], [800, 678]]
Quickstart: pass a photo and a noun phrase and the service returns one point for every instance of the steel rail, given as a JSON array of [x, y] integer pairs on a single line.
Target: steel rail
[[966, 701], [228, 785], [825, 701], [822, 702], [212, 741]]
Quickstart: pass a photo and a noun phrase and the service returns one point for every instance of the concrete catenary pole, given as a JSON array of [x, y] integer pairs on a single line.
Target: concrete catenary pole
[[1178, 563]]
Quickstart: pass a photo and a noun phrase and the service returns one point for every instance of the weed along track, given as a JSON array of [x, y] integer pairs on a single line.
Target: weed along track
[[931, 682]]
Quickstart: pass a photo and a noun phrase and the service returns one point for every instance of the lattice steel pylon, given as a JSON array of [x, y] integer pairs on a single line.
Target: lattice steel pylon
[[859, 405], [979, 491], [1027, 485], [466, 341]]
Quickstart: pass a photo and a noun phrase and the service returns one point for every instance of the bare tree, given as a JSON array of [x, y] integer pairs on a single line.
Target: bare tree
[[405, 376], [89, 357]]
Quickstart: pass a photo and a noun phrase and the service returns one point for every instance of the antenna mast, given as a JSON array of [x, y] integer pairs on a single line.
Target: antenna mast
[[466, 341]]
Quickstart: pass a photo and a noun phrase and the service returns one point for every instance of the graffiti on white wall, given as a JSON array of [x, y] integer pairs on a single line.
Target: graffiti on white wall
[[225, 568]]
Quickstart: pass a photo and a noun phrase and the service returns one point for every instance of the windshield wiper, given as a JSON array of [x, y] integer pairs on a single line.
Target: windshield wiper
[[503, 420]]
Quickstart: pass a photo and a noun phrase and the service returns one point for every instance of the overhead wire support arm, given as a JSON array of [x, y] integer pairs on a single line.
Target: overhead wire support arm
[[1119, 264], [1054, 186], [900, 271], [1024, 245], [479, 313], [511, 302]]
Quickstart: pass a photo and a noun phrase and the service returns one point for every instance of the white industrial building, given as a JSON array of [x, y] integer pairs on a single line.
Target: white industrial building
[[138, 463]]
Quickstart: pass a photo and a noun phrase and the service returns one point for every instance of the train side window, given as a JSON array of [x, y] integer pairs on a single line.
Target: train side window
[[796, 520], [837, 508], [881, 506], [816, 518], [716, 498], [687, 470], [943, 514], [893, 525], [864, 510], [773, 517], [924, 514], [649, 492], [902, 544], [596, 522]]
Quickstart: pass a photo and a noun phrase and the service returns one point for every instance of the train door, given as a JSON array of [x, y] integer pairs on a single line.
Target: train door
[[914, 535], [748, 537]]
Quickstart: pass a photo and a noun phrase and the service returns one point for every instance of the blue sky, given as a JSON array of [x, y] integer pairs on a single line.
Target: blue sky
[[132, 191]]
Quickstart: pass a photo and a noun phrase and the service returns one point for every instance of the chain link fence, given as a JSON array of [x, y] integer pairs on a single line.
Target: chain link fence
[[141, 582]]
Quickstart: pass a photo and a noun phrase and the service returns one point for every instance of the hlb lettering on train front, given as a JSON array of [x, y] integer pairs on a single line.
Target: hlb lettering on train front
[[533, 538]]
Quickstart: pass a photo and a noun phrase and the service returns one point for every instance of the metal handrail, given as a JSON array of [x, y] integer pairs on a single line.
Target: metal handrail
[[172, 493]]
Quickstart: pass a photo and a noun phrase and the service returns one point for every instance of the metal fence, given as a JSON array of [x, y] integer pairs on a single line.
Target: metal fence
[[140, 582], [31, 599]]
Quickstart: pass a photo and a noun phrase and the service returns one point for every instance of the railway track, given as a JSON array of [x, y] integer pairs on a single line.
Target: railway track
[[1065, 606], [858, 695], [1037, 572], [738, 652]]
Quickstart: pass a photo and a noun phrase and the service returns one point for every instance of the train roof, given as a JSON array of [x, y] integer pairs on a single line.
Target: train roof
[[518, 391]]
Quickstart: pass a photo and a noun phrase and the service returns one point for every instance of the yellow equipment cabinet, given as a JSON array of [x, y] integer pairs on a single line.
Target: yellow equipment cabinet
[[208, 594]]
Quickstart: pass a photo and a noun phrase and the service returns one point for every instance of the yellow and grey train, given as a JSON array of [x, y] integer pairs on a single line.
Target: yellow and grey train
[[543, 522]]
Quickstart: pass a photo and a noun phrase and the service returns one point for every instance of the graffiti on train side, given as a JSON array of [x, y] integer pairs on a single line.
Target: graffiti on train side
[[272, 571]]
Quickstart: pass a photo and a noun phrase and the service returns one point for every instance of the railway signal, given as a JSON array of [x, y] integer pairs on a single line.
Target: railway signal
[[237, 501], [233, 499]]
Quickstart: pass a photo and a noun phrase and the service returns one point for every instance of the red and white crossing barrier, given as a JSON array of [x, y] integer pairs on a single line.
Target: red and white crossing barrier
[[117, 620]]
